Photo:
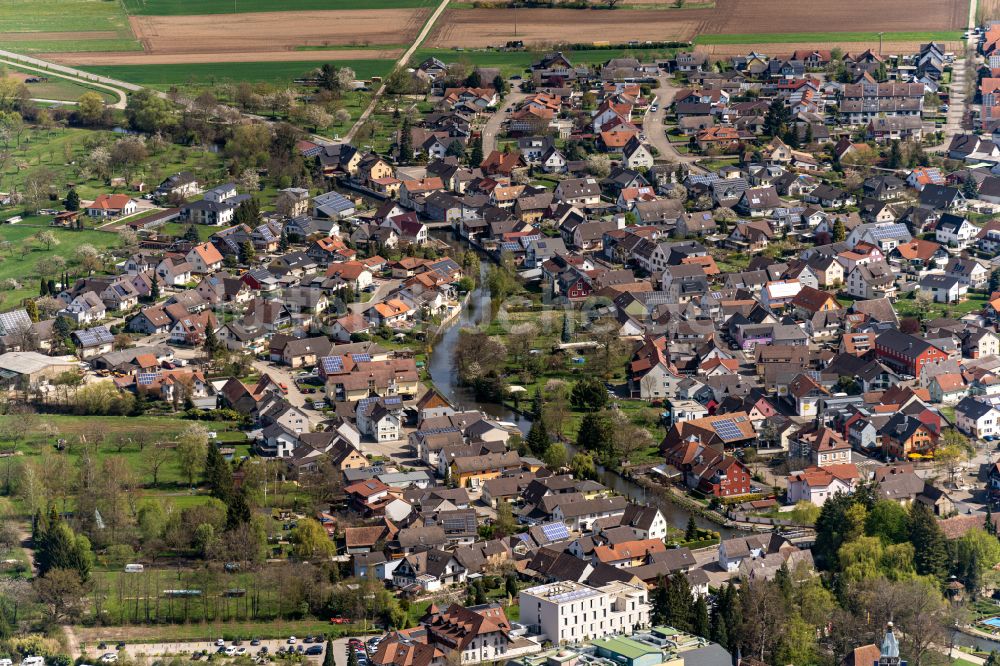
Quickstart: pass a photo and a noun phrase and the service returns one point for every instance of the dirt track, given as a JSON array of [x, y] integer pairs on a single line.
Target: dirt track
[[271, 32]]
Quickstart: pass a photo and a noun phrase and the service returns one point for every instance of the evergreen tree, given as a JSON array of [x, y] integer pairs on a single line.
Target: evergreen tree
[[691, 533], [839, 231], [43, 287], [211, 341], [405, 142], [969, 188], [476, 154], [783, 579], [895, 155], [238, 510], [988, 523], [700, 625], [72, 202], [32, 309], [218, 473], [995, 280], [191, 234], [328, 658], [352, 657], [154, 288], [52, 287], [283, 241], [500, 85], [930, 546], [538, 439], [680, 602], [247, 252], [567, 333], [595, 432], [809, 134], [776, 120], [474, 79]]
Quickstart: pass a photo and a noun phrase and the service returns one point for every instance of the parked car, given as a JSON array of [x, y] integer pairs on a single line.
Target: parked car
[[315, 649], [109, 658], [291, 640]]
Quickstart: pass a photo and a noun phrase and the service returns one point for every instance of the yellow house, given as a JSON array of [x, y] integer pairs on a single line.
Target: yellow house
[[474, 471], [372, 168]]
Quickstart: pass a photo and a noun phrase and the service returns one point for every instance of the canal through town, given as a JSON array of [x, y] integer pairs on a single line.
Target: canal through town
[[440, 365]]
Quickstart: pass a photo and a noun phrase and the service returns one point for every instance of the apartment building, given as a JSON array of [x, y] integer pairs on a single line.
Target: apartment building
[[570, 612]]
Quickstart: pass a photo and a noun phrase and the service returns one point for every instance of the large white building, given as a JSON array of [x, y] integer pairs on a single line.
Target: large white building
[[570, 612]]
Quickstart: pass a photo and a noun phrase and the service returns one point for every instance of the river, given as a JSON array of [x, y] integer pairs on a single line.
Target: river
[[445, 377]]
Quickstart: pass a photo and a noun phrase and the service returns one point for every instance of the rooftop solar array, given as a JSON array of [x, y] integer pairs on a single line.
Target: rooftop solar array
[[98, 335], [727, 429], [361, 358], [438, 431], [332, 363], [573, 595], [146, 378], [555, 531]]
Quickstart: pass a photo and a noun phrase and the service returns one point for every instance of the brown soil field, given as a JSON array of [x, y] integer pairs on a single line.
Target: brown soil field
[[269, 31], [778, 50], [140, 58], [491, 27], [45, 36]]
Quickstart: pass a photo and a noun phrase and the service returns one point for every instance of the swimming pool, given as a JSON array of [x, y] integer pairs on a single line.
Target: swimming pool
[[993, 622]]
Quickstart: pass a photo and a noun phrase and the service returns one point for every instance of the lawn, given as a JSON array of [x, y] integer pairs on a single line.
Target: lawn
[[187, 7], [205, 231], [278, 73], [62, 16], [63, 89], [907, 307], [820, 37]]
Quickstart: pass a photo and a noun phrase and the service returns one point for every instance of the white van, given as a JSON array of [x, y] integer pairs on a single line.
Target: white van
[[134, 568], [33, 661]]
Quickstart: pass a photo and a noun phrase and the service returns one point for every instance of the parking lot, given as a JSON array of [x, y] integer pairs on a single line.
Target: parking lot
[[96, 655]]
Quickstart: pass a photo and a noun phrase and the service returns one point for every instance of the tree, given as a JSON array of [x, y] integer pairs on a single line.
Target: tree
[[46, 238], [691, 533], [976, 553], [598, 165], [328, 658], [154, 288], [505, 523], [839, 231], [147, 112], [476, 152], [589, 394], [190, 451], [500, 85], [596, 433], [62, 593], [555, 456], [929, 543], [474, 79], [567, 331], [970, 189], [90, 108], [952, 452], [895, 155], [31, 308], [777, 118], [310, 541], [538, 439], [218, 474], [582, 466], [889, 521], [154, 457], [211, 345], [405, 142], [191, 234], [72, 202]]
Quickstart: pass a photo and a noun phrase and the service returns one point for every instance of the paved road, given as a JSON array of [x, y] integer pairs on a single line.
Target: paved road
[[402, 62], [492, 128], [653, 125]]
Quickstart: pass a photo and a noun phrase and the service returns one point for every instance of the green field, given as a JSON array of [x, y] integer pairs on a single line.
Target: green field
[[62, 16], [189, 7], [821, 37], [73, 45], [64, 89], [165, 76], [25, 268]]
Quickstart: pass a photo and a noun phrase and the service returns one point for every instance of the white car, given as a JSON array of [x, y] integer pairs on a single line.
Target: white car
[[219, 642], [230, 651], [291, 640], [109, 658], [241, 650]]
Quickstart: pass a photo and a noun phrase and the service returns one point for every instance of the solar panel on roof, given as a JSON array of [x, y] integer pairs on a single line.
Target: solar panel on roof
[[555, 531], [146, 378], [727, 429], [361, 358], [332, 364], [438, 431]]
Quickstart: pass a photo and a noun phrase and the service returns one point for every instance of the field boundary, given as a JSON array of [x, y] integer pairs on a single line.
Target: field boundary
[[824, 37]]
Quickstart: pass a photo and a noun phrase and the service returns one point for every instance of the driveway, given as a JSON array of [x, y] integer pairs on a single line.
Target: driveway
[[383, 288], [656, 135], [285, 375]]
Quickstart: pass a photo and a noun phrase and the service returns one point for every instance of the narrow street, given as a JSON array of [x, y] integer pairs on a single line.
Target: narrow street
[[492, 127], [653, 126]]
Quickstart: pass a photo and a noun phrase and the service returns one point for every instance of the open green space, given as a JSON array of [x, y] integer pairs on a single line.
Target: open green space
[[165, 76], [64, 89], [908, 307], [23, 16], [73, 45], [25, 266], [821, 37], [187, 7]]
